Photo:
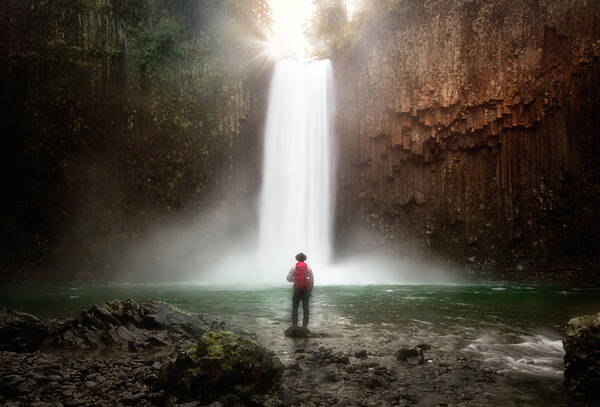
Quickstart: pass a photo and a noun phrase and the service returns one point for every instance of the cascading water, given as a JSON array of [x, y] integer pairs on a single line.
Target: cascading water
[[296, 203]]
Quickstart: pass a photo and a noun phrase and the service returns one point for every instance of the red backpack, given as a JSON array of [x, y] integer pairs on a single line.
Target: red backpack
[[301, 276]]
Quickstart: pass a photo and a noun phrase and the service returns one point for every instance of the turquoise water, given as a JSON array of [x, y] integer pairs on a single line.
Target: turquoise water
[[512, 325], [520, 305]]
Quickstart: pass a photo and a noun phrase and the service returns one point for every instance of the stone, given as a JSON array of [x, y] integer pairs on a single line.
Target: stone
[[374, 381], [20, 332], [26, 386], [325, 356], [413, 356], [330, 374], [361, 354], [297, 332], [582, 356], [126, 325], [13, 379], [90, 384], [133, 399], [219, 362], [272, 402]]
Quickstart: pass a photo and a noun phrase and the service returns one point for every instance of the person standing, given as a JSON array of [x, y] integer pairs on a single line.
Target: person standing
[[302, 277]]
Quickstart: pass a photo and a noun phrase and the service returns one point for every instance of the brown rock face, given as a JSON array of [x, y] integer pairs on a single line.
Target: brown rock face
[[474, 127]]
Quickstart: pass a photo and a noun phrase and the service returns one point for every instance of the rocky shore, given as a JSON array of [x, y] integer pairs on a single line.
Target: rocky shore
[[582, 357], [152, 354]]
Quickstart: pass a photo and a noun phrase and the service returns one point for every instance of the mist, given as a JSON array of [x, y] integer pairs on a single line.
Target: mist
[[221, 248]]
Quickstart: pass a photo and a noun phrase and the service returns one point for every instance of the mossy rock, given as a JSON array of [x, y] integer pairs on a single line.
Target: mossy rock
[[582, 356], [221, 364]]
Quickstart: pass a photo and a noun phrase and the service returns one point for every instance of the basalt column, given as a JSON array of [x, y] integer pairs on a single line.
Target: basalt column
[[472, 127]]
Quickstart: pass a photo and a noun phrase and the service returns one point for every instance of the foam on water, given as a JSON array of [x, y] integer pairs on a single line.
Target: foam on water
[[533, 354]]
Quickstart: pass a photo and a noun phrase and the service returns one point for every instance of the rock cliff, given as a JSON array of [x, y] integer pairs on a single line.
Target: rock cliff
[[472, 126], [119, 114]]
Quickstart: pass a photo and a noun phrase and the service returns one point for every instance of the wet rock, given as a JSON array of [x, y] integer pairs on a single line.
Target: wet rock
[[423, 346], [582, 356], [324, 356], [413, 356], [373, 381], [165, 316], [297, 332], [126, 325], [330, 374], [220, 362], [20, 332]]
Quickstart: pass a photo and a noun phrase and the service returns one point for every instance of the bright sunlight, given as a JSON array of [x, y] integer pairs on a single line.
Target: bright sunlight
[[289, 23]]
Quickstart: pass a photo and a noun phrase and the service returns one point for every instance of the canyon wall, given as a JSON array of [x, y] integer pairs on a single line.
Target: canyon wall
[[118, 115], [472, 127]]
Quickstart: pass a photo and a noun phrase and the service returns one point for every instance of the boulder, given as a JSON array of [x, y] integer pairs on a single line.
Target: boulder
[[413, 356], [297, 332], [301, 332], [126, 325], [221, 363], [20, 332], [582, 356]]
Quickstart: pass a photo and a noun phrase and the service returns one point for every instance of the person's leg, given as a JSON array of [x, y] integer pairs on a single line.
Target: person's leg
[[305, 297], [295, 303]]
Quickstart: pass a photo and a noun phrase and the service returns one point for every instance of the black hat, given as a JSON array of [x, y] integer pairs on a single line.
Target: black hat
[[301, 256]]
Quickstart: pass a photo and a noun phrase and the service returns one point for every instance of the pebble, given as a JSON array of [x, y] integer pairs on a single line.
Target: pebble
[[90, 384], [26, 387], [317, 376]]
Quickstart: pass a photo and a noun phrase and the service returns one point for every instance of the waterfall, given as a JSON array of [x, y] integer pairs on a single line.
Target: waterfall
[[297, 198]]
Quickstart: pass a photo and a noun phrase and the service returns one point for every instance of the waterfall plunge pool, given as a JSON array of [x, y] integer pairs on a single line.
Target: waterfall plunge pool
[[514, 327]]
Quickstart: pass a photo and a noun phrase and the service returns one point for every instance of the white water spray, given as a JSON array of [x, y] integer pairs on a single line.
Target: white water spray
[[296, 203]]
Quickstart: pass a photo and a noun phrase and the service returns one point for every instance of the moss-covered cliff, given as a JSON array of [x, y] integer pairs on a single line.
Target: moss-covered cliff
[[118, 113], [473, 126]]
